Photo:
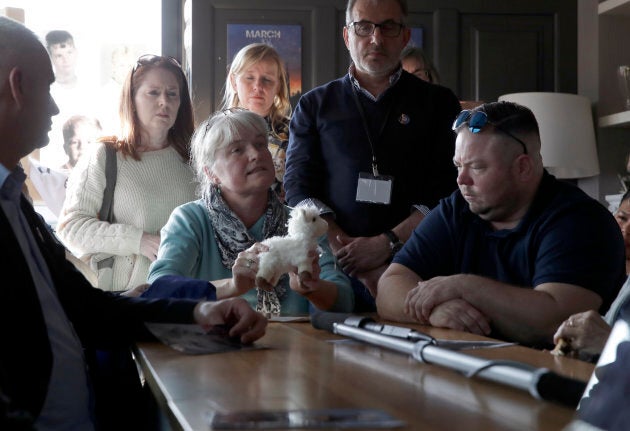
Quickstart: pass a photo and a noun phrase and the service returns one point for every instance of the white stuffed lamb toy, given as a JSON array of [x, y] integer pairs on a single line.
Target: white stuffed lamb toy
[[305, 226]]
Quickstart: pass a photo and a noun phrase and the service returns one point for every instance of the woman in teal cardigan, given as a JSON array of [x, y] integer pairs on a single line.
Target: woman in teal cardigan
[[217, 238]]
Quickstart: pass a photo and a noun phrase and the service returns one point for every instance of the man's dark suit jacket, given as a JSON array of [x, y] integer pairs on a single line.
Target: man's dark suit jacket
[[101, 319]]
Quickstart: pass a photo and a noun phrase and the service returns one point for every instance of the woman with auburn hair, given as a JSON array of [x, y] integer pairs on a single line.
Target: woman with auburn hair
[[152, 176], [257, 81]]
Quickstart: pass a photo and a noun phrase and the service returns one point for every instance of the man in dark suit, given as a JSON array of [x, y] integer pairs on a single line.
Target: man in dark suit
[[48, 312]]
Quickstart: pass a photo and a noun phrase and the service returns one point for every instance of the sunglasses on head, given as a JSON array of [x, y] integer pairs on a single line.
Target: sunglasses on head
[[150, 59], [227, 112], [477, 120]]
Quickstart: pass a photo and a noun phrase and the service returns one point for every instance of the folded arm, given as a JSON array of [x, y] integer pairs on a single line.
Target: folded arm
[[528, 315]]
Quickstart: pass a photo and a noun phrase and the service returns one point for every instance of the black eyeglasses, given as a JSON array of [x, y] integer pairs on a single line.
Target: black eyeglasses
[[477, 120], [388, 28], [147, 59]]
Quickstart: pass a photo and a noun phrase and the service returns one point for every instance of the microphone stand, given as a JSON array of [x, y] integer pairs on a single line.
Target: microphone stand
[[541, 383]]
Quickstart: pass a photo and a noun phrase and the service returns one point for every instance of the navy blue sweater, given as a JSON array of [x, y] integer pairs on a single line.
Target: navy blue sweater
[[329, 147]]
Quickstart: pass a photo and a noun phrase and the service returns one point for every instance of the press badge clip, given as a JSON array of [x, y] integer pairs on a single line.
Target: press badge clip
[[375, 189]]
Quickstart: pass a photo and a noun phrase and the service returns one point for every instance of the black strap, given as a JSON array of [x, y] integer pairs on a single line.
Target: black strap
[[106, 213], [367, 129]]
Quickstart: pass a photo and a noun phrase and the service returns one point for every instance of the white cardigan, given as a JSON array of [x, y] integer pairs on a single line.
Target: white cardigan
[[146, 193]]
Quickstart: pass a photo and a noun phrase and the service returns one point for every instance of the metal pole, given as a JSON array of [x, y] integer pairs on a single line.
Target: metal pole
[[511, 373]]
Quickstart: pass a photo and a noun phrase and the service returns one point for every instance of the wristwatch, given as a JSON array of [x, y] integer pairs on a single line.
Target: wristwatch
[[394, 242]]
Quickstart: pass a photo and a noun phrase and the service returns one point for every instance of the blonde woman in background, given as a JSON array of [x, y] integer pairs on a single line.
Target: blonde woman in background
[[153, 176], [257, 81]]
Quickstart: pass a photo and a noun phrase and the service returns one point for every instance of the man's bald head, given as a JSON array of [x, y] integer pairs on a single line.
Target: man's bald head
[[15, 40], [26, 106]]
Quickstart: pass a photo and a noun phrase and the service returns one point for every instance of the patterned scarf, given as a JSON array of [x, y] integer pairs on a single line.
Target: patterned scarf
[[232, 237], [277, 141]]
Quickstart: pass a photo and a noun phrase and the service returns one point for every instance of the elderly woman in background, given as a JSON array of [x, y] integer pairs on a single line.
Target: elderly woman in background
[[152, 178], [585, 334], [416, 62], [216, 238], [257, 80]]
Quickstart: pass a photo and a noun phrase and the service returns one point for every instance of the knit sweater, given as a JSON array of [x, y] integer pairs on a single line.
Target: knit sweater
[[145, 194]]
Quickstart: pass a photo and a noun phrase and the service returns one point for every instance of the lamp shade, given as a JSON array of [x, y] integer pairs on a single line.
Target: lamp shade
[[567, 134]]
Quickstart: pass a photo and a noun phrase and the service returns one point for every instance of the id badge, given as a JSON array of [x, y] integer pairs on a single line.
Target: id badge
[[374, 189]]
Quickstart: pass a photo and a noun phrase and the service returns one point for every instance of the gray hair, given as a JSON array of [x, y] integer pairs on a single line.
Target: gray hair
[[402, 3], [216, 133], [415, 52]]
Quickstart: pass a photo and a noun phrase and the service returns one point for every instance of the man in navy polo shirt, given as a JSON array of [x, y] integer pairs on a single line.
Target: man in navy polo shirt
[[514, 251]]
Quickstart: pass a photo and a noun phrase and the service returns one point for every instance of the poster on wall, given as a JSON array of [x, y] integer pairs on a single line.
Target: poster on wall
[[416, 37], [286, 39]]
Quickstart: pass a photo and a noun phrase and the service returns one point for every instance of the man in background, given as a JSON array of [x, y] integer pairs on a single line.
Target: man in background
[[373, 149], [514, 251], [63, 54], [71, 94]]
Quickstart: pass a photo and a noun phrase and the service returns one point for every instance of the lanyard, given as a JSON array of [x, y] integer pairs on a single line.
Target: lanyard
[[366, 128]]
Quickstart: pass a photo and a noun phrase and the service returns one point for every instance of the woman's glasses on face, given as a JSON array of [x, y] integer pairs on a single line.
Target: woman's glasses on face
[[477, 120], [147, 59]]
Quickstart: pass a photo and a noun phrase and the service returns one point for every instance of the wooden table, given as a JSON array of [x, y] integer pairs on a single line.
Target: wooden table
[[301, 368]]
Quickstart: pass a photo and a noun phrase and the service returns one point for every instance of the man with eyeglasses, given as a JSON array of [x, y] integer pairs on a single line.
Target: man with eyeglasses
[[514, 251], [372, 149]]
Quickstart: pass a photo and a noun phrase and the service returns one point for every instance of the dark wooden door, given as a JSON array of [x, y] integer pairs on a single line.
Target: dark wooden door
[[482, 48], [505, 54]]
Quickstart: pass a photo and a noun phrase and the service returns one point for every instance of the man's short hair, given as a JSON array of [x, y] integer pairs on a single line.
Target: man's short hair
[[510, 116], [58, 37], [402, 3]]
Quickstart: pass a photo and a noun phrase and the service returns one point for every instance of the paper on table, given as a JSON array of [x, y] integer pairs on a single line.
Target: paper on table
[[193, 340]]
